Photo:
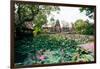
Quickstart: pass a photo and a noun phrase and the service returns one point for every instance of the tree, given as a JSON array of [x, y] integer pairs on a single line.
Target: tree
[[39, 20], [84, 27], [89, 11], [30, 12], [24, 13], [80, 26]]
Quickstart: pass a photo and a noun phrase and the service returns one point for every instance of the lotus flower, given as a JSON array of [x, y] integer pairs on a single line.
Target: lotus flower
[[42, 57]]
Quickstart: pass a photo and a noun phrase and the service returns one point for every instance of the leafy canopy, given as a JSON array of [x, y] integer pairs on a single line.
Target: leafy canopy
[[30, 12], [89, 11]]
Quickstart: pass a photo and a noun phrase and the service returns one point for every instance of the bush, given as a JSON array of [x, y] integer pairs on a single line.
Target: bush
[[84, 27]]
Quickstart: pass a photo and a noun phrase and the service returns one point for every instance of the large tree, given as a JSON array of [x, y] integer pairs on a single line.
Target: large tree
[[35, 13], [31, 12]]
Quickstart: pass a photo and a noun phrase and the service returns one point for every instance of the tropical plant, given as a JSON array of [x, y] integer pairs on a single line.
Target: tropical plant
[[84, 27], [48, 49]]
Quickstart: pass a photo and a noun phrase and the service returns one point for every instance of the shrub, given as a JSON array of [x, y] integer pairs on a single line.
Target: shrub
[[84, 27]]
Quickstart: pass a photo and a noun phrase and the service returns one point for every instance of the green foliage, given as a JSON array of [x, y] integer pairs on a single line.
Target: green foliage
[[84, 27], [30, 12], [90, 29], [55, 49], [39, 20], [89, 11], [80, 26], [25, 12]]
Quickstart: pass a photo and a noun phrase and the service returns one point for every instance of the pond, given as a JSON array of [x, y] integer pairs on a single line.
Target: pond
[[53, 48]]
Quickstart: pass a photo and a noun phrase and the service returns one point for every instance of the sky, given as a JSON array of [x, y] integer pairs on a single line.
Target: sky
[[69, 15]]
